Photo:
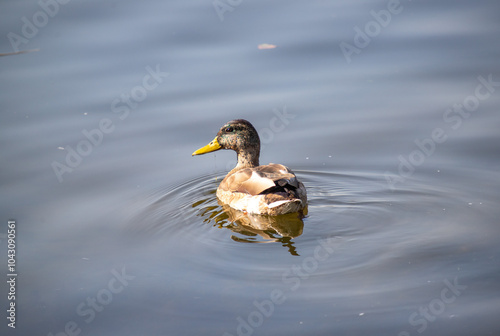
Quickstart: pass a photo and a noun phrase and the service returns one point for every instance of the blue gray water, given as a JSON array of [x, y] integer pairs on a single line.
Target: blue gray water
[[386, 110]]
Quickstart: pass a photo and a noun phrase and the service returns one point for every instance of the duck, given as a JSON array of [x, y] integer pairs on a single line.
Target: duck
[[271, 189]]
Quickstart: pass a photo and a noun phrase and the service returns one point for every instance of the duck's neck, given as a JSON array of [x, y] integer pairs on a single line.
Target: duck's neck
[[248, 158]]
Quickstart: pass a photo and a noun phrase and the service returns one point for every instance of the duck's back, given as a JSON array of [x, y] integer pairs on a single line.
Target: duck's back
[[271, 189]]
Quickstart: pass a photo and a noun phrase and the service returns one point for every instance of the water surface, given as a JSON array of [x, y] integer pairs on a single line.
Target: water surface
[[119, 230]]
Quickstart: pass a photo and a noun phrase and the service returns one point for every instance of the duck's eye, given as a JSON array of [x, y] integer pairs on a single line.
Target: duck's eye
[[229, 129]]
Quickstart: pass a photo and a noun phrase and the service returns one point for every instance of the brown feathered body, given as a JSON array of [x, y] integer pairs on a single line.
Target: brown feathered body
[[271, 189]]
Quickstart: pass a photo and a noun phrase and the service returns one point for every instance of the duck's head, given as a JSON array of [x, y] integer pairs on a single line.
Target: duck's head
[[240, 136]]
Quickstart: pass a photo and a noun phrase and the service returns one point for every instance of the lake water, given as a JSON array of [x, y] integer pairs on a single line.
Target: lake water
[[386, 110]]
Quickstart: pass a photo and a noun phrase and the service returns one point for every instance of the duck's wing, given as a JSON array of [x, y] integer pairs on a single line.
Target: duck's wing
[[257, 180]]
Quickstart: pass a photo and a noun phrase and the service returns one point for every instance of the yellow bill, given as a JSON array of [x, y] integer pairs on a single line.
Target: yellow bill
[[212, 146]]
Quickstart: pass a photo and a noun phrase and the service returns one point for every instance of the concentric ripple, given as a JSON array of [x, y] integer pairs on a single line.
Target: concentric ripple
[[192, 211]]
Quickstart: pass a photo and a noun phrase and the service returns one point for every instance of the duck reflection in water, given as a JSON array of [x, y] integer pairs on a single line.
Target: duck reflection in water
[[252, 228]]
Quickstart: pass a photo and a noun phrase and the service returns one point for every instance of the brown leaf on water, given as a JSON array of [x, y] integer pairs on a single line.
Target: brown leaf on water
[[266, 46]]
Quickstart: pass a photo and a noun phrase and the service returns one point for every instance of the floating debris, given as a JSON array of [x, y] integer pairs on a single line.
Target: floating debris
[[19, 52], [266, 46]]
